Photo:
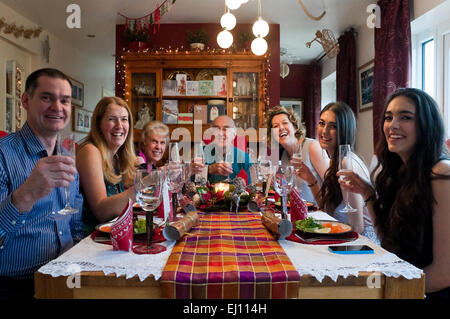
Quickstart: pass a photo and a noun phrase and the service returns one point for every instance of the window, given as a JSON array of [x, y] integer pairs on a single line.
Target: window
[[428, 75]]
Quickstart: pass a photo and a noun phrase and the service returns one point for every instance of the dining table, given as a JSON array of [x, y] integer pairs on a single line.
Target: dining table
[[229, 255]]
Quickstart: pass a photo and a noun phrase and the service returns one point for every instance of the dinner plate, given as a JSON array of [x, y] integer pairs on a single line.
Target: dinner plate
[[344, 229], [106, 227]]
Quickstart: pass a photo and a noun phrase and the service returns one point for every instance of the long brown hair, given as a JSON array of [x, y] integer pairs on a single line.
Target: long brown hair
[[125, 155], [330, 192], [404, 207]]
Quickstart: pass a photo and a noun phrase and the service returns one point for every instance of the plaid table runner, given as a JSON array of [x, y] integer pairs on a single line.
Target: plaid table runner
[[229, 256]]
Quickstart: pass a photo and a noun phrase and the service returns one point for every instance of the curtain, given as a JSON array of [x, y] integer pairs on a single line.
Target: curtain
[[392, 55], [346, 70], [312, 110]]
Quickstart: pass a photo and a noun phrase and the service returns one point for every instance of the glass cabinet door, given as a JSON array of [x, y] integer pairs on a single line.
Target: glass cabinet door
[[245, 99], [143, 98]]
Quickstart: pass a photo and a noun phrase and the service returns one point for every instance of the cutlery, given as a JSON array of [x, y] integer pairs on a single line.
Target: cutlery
[[315, 239]]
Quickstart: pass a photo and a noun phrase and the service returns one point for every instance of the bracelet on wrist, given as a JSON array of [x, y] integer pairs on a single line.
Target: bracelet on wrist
[[312, 184]]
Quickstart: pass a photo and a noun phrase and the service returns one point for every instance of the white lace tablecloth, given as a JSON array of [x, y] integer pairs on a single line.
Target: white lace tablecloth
[[318, 261], [313, 260], [88, 255]]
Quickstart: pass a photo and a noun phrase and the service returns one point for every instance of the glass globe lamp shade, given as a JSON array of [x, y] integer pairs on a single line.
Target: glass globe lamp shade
[[233, 4], [244, 1], [228, 21], [225, 39], [260, 28], [259, 46]]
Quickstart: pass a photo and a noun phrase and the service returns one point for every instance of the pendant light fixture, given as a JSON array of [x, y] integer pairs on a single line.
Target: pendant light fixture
[[233, 4], [260, 30], [228, 21]]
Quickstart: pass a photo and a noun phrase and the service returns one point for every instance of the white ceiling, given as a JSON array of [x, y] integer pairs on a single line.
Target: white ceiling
[[100, 16]]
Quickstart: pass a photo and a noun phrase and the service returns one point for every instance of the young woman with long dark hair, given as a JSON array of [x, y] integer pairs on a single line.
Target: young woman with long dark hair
[[337, 126], [410, 199]]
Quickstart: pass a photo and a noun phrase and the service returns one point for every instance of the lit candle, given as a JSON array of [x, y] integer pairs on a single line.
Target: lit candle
[[221, 187]]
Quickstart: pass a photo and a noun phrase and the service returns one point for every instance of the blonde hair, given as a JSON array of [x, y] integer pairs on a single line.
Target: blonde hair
[[150, 128], [300, 129], [126, 155]]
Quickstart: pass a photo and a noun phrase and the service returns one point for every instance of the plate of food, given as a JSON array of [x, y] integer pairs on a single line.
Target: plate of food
[[325, 228], [139, 226]]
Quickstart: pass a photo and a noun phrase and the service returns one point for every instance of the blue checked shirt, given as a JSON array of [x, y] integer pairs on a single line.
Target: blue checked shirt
[[31, 239]]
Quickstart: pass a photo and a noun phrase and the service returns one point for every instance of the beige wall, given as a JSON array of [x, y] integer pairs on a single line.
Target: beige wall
[[94, 73]]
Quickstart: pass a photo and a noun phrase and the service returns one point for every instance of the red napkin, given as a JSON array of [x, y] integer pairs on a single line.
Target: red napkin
[[243, 174], [326, 241], [122, 229], [299, 210]]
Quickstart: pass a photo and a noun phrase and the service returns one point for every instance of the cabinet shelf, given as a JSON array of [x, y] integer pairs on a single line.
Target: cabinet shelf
[[244, 74]]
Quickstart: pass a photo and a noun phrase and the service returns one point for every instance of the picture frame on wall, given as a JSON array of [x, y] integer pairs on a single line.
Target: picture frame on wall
[[81, 120], [365, 86], [77, 93], [296, 104]]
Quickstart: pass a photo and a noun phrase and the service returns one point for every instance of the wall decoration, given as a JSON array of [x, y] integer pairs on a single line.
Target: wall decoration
[[18, 31], [146, 21], [365, 84], [81, 120], [296, 104], [77, 93]]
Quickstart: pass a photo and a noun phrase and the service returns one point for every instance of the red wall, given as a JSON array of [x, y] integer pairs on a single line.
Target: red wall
[[174, 36], [296, 84]]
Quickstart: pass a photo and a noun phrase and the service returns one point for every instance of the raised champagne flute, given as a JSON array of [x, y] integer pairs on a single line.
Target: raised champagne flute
[[345, 164], [65, 145], [148, 188], [229, 161]]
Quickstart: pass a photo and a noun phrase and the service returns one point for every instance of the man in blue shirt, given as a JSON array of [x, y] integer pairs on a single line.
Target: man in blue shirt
[[32, 182], [219, 167]]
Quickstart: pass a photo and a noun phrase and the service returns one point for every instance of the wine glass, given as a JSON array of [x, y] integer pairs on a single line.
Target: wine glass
[[297, 156], [264, 170], [174, 153], [148, 188], [176, 178], [345, 164], [199, 158], [66, 146], [229, 161]]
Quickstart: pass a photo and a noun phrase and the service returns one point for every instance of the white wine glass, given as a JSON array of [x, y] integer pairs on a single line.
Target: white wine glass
[[345, 164], [65, 145], [148, 188], [176, 179], [174, 153], [229, 161]]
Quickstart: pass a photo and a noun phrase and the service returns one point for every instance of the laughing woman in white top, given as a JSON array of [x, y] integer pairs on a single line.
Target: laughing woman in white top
[[337, 126], [289, 132]]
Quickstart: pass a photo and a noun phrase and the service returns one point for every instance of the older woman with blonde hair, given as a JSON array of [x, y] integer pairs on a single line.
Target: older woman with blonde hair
[[289, 132], [153, 143], [106, 162]]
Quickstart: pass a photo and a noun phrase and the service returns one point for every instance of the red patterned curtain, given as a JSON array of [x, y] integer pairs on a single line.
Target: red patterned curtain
[[346, 70], [312, 111], [392, 55]]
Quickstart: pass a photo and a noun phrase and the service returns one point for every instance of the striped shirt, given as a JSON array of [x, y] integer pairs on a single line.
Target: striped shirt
[[31, 239]]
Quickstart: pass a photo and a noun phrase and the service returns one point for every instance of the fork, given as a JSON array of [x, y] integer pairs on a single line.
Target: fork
[[314, 239]]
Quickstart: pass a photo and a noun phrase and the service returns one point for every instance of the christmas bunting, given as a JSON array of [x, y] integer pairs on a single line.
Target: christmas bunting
[[152, 18]]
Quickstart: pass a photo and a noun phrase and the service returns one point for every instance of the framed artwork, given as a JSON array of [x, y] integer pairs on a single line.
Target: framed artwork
[[77, 93], [81, 120], [365, 84], [296, 104]]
